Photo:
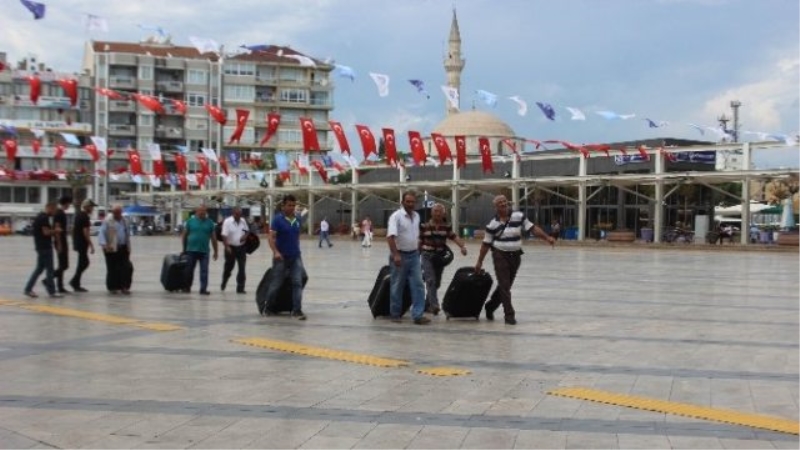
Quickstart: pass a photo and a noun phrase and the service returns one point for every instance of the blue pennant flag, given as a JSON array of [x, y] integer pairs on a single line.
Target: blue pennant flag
[[327, 160], [547, 109], [71, 139], [233, 158], [36, 8], [172, 179], [281, 162], [420, 87], [10, 129]]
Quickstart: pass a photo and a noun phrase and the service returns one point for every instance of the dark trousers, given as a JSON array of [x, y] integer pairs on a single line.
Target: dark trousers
[[281, 268], [83, 264], [63, 265], [119, 271], [237, 256], [506, 265], [44, 263]]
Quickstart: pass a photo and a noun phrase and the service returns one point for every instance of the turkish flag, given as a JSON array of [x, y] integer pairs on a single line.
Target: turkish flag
[[486, 155], [390, 144], [461, 151], [93, 152], [184, 183], [310, 141], [441, 148], [36, 87], [135, 161], [70, 88], [417, 149], [367, 140], [179, 105], [36, 145], [150, 103], [273, 120], [180, 163], [203, 161], [241, 121], [158, 168], [111, 94], [286, 176], [320, 169], [11, 150], [59, 152], [623, 150], [201, 179], [340, 137], [217, 114], [600, 148], [301, 166], [669, 156], [223, 165], [643, 153]]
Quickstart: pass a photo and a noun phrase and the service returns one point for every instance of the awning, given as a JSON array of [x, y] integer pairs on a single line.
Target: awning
[[139, 210]]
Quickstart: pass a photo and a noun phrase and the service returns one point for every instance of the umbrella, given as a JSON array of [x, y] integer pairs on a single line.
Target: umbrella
[[787, 216]]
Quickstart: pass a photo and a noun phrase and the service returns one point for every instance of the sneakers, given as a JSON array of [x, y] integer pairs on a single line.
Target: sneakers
[[31, 294], [489, 313], [298, 315], [422, 320]]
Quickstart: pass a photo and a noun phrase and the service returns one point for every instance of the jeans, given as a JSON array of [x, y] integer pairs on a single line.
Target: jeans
[[193, 258], [236, 256], [323, 236], [83, 264], [410, 269], [293, 267], [44, 263], [432, 276]]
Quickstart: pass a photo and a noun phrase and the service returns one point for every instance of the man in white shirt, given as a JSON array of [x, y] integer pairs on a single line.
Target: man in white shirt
[[234, 234], [324, 232], [402, 234]]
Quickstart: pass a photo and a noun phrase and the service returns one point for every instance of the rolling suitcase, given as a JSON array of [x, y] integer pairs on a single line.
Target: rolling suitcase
[[467, 293], [378, 300], [283, 301], [173, 272]]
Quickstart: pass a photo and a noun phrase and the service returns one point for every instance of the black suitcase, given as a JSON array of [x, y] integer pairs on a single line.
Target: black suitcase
[[283, 301], [378, 300], [467, 293], [173, 272]]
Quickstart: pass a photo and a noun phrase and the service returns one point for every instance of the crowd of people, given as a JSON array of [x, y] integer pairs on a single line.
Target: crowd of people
[[416, 252]]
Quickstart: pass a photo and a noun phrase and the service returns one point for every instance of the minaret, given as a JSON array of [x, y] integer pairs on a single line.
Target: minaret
[[454, 63]]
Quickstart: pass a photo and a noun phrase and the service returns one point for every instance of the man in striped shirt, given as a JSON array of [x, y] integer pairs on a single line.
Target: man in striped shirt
[[504, 237], [433, 236]]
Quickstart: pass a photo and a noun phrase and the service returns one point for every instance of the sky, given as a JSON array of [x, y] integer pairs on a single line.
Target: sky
[[678, 61]]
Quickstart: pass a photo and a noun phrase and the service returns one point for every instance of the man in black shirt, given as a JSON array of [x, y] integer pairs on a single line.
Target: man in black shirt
[[82, 242], [43, 236], [62, 248]]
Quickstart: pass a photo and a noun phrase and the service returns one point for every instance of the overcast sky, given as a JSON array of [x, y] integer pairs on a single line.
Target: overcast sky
[[680, 61]]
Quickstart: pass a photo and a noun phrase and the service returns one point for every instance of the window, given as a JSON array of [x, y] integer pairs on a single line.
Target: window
[[195, 99], [196, 124], [240, 69], [145, 120], [292, 74], [290, 136], [19, 195], [290, 117], [34, 195], [5, 194], [145, 72], [240, 93], [294, 95], [319, 98], [195, 76], [319, 116]]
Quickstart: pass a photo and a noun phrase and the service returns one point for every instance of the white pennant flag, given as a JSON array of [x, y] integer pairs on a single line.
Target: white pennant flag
[[452, 96], [155, 181], [382, 81], [204, 45], [96, 23], [523, 107], [155, 151], [210, 154], [38, 133], [191, 178], [101, 144], [304, 61], [352, 161], [577, 114]]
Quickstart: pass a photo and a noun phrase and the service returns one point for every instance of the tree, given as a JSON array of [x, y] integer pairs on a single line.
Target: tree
[[78, 179]]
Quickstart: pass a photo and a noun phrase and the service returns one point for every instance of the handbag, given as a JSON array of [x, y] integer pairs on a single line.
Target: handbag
[[443, 258], [251, 243]]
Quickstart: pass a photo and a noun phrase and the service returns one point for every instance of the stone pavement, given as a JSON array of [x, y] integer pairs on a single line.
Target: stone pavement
[[712, 329]]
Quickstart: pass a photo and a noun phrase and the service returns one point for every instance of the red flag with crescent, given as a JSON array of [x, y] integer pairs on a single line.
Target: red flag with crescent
[[486, 155], [201, 179], [11, 150], [310, 141], [671, 157], [36, 145], [286, 175], [301, 166], [180, 163], [36, 87], [241, 121], [643, 153], [461, 151], [59, 151], [150, 102], [183, 182], [92, 149], [441, 148], [367, 140], [390, 144], [179, 106], [320, 169], [223, 165], [623, 150], [600, 148], [217, 114], [273, 121], [70, 87], [340, 137], [111, 94], [135, 161], [417, 149], [203, 161], [158, 168]]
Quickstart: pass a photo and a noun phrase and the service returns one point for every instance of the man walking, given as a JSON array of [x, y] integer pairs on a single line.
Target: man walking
[[284, 240], [403, 237], [62, 247], [366, 230], [82, 242], [115, 239], [433, 241], [197, 233], [324, 232], [234, 235], [43, 237]]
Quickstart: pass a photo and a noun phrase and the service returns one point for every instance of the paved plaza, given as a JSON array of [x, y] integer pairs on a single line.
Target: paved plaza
[[712, 329]]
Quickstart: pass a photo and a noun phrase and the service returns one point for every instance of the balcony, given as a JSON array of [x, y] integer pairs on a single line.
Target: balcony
[[264, 97], [122, 82], [170, 109], [169, 86], [266, 79], [163, 131], [121, 106], [119, 129]]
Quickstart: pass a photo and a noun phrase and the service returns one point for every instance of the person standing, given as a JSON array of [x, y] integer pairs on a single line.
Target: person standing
[[366, 230], [115, 239], [43, 237], [433, 236], [82, 242], [324, 232], [197, 233], [234, 234], [402, 235], [284, 240], [62, 247], [504, 238]]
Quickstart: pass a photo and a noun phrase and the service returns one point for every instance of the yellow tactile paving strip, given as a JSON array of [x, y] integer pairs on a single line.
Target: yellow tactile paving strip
[[320, 352], [682, 409], [443, 371], [78, 314]]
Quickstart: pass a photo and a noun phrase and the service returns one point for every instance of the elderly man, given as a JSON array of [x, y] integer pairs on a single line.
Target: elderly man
[[403, 238], [115, 240], [433, 236], [197, 233], [234, 234]]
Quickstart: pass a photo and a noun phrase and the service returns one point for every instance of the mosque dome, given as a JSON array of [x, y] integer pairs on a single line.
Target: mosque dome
[[474, 123]]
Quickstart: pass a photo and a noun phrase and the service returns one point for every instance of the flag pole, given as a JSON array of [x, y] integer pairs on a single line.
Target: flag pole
[[220, 137]]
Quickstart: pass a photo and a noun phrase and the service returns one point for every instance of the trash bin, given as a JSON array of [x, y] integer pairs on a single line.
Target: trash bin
[[571, 233], [469, 232], [646, 234]]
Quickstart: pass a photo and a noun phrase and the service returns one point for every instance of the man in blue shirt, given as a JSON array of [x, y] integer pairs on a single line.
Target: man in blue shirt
[[284, 240], [197, 232]]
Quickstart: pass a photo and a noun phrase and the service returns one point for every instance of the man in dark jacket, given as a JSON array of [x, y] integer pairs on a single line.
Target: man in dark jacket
[[82, 242], [43, 236], [62, 248]]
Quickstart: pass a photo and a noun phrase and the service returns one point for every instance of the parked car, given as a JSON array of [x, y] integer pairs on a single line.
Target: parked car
[[94, 228]]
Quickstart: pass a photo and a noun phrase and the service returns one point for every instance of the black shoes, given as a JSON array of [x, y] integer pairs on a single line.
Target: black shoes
[[298, 315], [489, 313], [222, 286], [31, 294], [241, 291], [205, 293], [422, 320], [511, 321]]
